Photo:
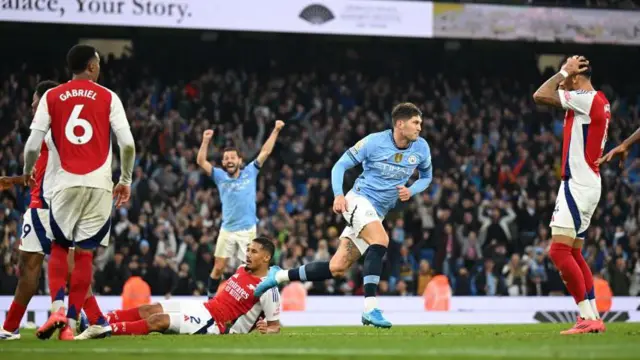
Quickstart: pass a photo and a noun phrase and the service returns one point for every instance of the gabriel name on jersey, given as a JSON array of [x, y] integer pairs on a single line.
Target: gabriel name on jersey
[[90, 94]]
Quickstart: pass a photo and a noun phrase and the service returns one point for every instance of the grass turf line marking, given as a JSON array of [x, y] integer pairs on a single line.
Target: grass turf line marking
[[463, 352]]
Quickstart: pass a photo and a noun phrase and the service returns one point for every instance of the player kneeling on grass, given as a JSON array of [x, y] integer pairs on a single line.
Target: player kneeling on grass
[[234, 310]]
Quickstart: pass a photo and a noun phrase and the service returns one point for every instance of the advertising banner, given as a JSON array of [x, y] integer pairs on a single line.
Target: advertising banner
[[543, 24], [340, 17]]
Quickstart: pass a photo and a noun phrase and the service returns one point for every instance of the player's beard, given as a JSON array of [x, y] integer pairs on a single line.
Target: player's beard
[[231, 170]]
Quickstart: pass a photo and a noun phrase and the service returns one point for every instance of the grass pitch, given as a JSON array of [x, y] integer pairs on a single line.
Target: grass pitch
[[540, 341]]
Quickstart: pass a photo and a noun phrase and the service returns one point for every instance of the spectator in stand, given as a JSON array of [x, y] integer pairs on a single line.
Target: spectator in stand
[[493, 155]]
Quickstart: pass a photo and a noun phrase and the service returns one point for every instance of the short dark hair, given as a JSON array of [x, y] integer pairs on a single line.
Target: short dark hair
[[231, 148], [405, 111], [79, 56], [43, 86], [586, 73], [267, 244]]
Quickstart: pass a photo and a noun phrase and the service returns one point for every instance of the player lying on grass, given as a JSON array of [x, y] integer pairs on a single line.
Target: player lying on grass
[[234, 310], [585, 132], [36, 239]]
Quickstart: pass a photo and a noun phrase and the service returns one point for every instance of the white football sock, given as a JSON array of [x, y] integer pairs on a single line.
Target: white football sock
[[594, 307], [282, 276], [72, 323], [586, 312], [56, 305], [370, 303]]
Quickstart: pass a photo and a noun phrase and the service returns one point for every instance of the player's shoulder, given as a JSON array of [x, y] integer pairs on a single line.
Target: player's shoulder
[[585, 94], [272, 294]]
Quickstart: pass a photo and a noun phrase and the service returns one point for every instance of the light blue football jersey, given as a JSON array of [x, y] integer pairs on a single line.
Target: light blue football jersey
[[238, 197], [385, 166]]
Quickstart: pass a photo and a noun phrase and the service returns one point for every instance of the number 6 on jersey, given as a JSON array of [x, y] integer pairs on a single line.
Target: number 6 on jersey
[[73, 135]]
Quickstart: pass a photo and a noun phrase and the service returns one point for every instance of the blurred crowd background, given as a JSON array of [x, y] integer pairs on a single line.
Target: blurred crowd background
[[483, 222]]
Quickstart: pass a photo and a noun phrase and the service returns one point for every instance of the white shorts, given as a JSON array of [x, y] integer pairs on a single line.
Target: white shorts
[[81, 216], [36, 232], [189, 318], [360, 212], [575, 206], [234, 243]]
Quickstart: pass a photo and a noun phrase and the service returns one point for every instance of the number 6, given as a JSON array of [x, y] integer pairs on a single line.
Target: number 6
[[74, 121]]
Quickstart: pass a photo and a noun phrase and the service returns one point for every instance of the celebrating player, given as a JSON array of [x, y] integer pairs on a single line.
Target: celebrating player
[[389, 159], [237, 189], [36, 236], [585, 132], [235, 310], [80, 114]]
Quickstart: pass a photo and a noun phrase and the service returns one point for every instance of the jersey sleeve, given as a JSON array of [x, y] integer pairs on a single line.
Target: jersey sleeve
[[217, 175], [117, 115], [253, 168], [270, 302], [425, 163], [578, 101], [362, 149], [42, 118]]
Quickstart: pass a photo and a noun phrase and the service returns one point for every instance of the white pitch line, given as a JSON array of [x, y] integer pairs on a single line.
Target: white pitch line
[[463, 352]]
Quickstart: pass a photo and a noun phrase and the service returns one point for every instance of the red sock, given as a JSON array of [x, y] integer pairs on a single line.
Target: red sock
[[93, 312], [124, 315], [139, 327], [58, 271], [15, 314], [80, 282], [586, 272], [562, 257]]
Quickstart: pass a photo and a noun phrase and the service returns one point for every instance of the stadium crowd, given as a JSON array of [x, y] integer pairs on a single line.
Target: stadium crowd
[[483, 222]]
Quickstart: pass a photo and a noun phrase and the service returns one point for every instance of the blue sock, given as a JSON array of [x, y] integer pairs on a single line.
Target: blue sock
[[373, 269], [315, 271]]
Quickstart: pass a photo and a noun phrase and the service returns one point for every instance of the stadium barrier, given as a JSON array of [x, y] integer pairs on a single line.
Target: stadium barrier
[[410, 310]]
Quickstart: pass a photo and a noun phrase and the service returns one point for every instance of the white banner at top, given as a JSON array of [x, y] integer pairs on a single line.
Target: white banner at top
[[544, 24], [340, 17]]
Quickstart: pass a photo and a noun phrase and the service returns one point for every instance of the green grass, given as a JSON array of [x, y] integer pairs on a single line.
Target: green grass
[[541, 341]]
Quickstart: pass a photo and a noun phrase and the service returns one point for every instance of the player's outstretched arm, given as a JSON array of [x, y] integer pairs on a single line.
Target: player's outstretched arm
[[622, 149], [201, 159], [267, 148], [547, 93], [7, 182]]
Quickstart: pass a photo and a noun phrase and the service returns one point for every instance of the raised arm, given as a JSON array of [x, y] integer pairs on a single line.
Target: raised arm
[[267, 148], [547, 93], [201, 159]]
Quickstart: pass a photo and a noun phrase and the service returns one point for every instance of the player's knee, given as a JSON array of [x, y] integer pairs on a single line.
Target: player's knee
[[158, 322], [218, 266], [147, 311], [563, 235], [338, 266]]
